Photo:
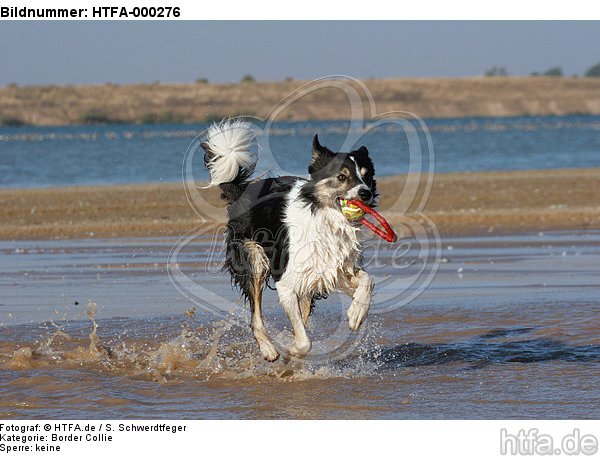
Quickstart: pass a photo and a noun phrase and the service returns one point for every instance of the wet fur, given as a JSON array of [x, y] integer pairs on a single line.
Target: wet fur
[[290, 231]]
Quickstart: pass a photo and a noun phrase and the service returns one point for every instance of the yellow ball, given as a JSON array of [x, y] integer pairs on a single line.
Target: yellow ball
[[350, 211]]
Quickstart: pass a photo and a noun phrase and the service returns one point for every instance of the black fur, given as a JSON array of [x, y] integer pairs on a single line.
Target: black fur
[[256, 210], [257, 215]]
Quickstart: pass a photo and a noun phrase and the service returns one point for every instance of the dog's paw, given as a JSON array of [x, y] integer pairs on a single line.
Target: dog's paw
[[300, 348], [356, 315], [269, 352]]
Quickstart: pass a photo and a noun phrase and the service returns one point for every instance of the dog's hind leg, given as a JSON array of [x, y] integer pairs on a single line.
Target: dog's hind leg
[[259, 270], [359, 286], [267, 349]]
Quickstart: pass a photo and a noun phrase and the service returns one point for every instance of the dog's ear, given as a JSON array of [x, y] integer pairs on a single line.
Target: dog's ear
[[361, 152], [321, 155], [319, 151]]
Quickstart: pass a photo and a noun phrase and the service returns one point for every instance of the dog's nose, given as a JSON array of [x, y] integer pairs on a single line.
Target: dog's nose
[[365, 195]]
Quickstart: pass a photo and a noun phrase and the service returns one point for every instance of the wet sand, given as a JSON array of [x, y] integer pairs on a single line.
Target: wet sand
[[459, 203], [507, 329], [92, 327]]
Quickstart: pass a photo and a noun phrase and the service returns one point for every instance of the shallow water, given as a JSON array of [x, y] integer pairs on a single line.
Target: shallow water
[[109, 154], [508, 328]]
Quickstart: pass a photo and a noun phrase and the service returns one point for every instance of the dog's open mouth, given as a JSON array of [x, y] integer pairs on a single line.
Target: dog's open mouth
[[350, 211]]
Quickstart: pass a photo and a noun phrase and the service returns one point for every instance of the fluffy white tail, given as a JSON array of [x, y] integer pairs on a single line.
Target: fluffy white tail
[[228, 149]]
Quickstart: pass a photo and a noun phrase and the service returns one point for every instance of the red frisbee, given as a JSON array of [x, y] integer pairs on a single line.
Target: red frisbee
[[386, 233]]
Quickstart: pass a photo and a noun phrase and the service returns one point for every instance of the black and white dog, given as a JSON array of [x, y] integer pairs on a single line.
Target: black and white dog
[[291, 229]]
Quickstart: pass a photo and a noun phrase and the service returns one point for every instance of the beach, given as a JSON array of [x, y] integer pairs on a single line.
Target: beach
[[118, 295], [497, 320], [460, 203], [94, 328], [112, 285]]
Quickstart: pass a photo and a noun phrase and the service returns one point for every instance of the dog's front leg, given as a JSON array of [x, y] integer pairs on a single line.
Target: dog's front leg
[[291, 305], [306, 304], [360, 288]]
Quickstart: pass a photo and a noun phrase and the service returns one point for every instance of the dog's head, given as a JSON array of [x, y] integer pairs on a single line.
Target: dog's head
[[338, 176]]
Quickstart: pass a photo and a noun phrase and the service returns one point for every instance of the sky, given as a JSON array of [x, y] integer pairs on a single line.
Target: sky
[[33, 53]]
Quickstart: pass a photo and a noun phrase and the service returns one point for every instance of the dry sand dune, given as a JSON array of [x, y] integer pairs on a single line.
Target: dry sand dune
[[428, 98]]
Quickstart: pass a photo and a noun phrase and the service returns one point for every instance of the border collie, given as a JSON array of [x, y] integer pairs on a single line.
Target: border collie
[[291, 230]]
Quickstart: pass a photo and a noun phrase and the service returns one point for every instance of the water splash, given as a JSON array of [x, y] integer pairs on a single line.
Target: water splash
[[218, 350]]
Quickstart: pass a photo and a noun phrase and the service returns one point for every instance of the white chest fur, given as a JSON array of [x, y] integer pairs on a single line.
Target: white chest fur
[[322, 246]]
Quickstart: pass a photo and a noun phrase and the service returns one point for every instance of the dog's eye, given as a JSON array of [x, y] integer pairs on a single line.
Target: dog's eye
[[341, 177]]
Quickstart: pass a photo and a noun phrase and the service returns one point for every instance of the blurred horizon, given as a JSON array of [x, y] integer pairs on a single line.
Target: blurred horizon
[[177, 52]]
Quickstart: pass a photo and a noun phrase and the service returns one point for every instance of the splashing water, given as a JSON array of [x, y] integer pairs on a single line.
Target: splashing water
[[202, 352], [498, 343]]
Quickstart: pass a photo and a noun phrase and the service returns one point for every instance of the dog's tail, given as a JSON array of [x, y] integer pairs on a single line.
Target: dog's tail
[[229, 157]]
